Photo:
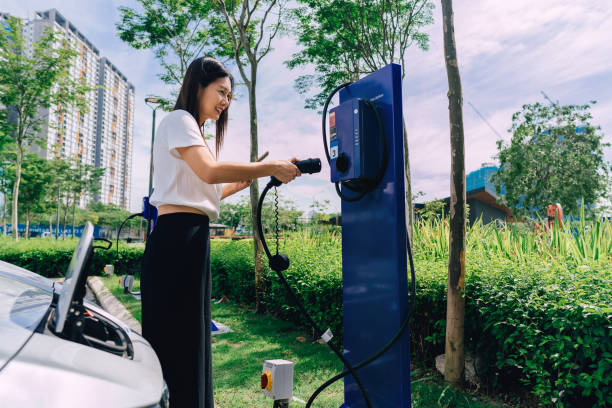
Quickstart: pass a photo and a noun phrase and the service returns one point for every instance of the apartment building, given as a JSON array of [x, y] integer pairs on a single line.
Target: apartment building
[[102, 136], [115, 107]]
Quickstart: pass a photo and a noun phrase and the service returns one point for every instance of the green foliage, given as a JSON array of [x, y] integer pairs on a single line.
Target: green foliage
[[235, 214], [28, 79], [232, 214], [237, 358], [31, 80], [316, 260], [538, 305], [108, 215], [555, 156], [534, 301], [36, 179], [133, 305], [232, 265], [433, 209], [50, 258], [346, 39], [177, 31]]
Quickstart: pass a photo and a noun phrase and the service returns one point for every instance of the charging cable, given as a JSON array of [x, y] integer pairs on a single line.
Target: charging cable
[[128, 280], [280, 262], [363, 191]]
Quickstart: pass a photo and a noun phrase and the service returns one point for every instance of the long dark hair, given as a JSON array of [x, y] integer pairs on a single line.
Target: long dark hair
[[200, 73]]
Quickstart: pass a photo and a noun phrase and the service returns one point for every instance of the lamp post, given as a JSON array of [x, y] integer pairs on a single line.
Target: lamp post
[[153, 103]]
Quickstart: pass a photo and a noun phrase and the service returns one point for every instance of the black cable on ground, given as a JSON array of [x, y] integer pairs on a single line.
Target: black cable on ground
[[299, 303], [395, 338], [362, 189]]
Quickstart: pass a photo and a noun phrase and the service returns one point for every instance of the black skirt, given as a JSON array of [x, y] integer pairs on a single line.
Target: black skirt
[[175, 287]]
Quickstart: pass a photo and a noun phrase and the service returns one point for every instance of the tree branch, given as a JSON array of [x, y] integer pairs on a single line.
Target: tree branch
[[242, 31], [271, 37], [234, 40]]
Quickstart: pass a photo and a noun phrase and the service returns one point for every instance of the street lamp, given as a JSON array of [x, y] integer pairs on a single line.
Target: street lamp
[[153, 103]]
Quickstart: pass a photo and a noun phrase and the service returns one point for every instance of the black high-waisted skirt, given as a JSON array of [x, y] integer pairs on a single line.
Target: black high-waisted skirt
[[175, 287]]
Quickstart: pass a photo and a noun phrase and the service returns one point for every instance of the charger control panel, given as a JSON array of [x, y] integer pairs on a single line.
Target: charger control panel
[[277, 379], [354, 145]]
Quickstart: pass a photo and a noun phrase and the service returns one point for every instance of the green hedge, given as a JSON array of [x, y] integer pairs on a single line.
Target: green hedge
[[540, 323], [544, 325], [314, 275], [50, 258]]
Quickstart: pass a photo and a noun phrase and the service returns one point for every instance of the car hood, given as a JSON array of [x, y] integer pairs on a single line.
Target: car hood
[[52, 372], [24, 300], [61, 372]]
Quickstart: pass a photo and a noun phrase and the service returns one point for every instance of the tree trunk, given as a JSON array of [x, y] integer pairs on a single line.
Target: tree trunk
[[64, 223], [4, 215], [27, 228], [455, 308], [15, 220], [254, 190], [57, 217], [73, 216], [408, 184]]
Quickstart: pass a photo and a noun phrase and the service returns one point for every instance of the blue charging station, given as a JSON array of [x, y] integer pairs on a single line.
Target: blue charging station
[[374, 273]]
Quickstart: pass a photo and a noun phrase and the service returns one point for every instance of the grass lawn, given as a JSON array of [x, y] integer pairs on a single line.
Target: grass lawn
[[238, 358]]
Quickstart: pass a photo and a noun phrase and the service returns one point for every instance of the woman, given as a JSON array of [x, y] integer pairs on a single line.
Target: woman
[[175, 276]]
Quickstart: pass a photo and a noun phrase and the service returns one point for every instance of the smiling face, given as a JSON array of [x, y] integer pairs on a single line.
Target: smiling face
[[214, 99]]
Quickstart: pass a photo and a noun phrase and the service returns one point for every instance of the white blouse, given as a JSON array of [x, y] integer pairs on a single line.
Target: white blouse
[[174, 182]]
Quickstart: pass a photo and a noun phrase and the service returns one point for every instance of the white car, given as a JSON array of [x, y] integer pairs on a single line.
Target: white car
[[57, 350]]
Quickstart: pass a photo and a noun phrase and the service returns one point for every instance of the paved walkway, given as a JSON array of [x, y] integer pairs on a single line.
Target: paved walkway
[[110, 303]]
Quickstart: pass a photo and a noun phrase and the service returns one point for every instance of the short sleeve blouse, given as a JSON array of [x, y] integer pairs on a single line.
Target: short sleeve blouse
[[174, 182]]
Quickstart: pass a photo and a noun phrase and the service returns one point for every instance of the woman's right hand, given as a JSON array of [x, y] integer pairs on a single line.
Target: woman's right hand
[[286, 171]]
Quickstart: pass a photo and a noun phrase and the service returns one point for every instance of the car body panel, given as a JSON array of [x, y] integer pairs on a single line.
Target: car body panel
[[22, 307], [44, 370], [26, 276], [67, 374]]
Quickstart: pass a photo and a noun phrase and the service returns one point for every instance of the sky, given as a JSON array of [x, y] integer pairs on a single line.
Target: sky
[[508, 52]]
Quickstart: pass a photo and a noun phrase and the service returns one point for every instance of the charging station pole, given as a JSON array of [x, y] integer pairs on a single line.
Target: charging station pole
[[374, 261]]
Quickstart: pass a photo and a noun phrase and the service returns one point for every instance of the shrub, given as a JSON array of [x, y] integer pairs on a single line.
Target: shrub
[[538, 307], [50, 258], [537, 312]]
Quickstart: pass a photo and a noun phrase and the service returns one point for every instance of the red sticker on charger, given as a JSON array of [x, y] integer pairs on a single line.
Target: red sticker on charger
[[332, 119]]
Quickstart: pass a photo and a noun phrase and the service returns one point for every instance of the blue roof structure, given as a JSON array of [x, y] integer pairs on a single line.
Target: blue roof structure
[[481, 178], [482, 197]]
